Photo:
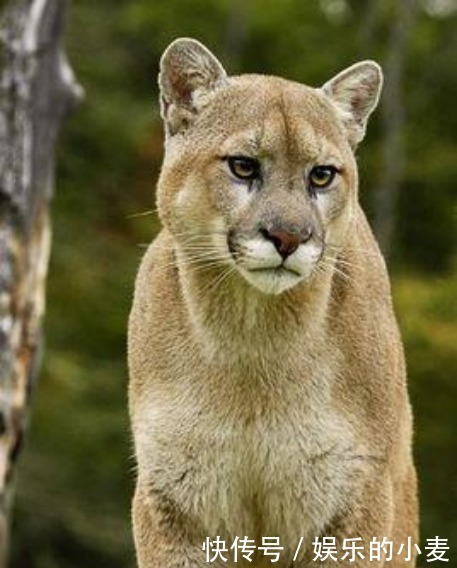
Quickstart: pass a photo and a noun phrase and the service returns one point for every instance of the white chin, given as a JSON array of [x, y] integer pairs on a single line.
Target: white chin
[[271, 281]]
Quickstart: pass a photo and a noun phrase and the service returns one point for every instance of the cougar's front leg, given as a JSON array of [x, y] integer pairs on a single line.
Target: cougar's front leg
[[161, 541], [374, 514], [153, 539]]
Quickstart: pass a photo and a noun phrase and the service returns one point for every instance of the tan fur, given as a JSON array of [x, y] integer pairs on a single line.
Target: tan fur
[[264, 403]]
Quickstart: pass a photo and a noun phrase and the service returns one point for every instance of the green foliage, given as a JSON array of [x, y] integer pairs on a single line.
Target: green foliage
[[428, 318], [77, 473]]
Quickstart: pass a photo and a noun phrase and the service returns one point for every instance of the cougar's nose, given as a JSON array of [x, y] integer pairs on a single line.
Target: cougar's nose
[[285, 242]]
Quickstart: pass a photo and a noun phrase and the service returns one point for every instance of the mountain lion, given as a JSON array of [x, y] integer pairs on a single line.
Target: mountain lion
[[268, 395]]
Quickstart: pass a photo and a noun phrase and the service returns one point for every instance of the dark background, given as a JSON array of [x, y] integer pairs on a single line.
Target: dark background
[[76, 476]]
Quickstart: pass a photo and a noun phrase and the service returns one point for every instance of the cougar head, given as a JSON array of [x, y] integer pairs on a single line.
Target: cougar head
[[259, 172]]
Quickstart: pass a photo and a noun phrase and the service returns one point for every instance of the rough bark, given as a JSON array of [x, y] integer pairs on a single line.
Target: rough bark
[[37, 89]]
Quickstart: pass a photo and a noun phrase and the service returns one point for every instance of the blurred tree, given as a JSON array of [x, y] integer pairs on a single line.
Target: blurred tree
[[393, 120], [237, 31]]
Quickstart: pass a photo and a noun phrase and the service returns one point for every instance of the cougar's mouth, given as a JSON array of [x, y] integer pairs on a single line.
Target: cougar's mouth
[[260, 265], [270, 279], [280, 269]]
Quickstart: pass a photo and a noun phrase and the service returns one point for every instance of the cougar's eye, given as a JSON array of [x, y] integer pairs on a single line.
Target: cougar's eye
[[244, 168], [320, 177]]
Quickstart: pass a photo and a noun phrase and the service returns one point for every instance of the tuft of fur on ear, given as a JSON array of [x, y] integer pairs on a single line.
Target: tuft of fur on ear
[[188, 72], [355, 92]]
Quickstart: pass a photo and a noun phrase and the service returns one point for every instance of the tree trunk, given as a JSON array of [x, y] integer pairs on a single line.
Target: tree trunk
[[393, 120], [237, 32], [36, 91]]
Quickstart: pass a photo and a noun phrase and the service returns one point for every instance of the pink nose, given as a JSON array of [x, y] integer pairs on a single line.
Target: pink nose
[[286, 243]]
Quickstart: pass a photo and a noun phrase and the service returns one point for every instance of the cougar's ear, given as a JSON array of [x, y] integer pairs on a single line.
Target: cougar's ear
[[355, 92], [188, 73]]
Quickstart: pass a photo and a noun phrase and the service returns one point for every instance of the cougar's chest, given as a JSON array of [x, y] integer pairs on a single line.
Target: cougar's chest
[[276, 476], [241, 465]]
